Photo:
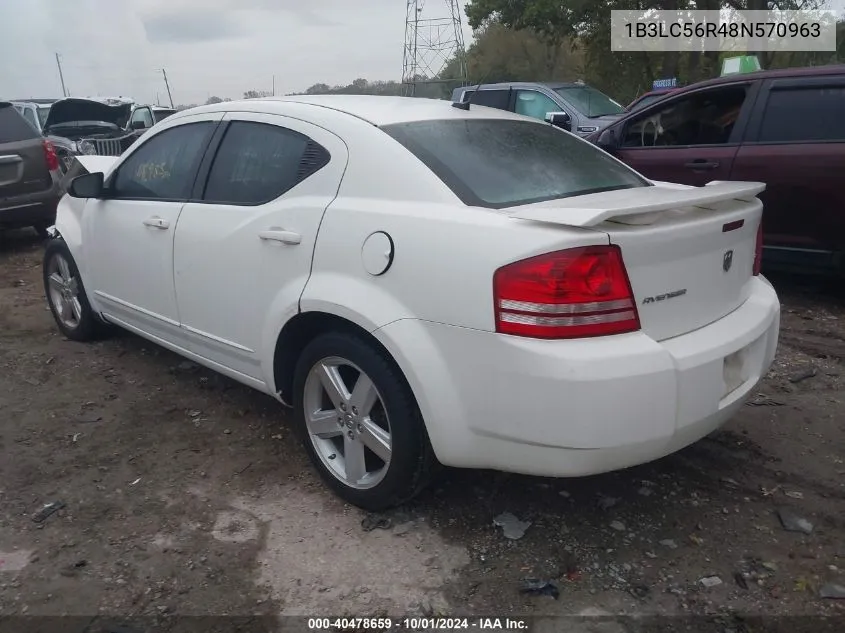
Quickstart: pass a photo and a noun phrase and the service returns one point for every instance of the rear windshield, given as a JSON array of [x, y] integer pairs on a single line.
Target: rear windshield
[[499, 163], [13, 127]]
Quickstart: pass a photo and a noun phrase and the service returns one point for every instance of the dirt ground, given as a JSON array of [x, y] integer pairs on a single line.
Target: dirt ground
[[185, 493]]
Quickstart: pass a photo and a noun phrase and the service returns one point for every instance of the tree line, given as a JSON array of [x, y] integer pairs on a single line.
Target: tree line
[[545, 40]]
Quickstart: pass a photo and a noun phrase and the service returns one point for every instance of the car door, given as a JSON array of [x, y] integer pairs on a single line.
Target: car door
[[796, 145], [243, 248], [128, 234], [690, 138]]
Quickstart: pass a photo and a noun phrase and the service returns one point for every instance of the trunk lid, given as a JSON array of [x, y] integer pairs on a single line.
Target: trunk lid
[[689, 251]]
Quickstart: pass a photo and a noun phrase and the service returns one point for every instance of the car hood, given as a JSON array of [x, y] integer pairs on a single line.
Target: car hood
[[114, 111]]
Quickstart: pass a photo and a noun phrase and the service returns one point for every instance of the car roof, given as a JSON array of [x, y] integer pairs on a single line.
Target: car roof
[[377, 110], [554, 85], [780, 73]]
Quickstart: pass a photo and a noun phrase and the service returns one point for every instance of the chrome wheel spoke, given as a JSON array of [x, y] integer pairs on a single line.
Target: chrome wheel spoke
[[364, 395], [65, 311], [77, 308], [354, 462], [56, 282], [376, 439], [64, 269], [333, 384], [323, 424]]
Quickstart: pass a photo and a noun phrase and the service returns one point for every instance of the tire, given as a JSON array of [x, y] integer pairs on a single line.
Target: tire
[[81, 323], [410, 460]]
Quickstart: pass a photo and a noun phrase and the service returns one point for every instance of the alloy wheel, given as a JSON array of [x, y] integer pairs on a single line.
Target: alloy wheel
[[347, 422]]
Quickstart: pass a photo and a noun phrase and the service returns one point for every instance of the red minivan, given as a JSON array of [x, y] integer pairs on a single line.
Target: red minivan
[[785, 128]]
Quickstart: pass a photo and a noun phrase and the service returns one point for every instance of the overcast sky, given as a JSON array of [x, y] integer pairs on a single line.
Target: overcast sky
[[208, 47]]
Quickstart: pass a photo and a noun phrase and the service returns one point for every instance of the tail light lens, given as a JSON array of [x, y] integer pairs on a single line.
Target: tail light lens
[[579, 292], [758, 250], [50, 155]]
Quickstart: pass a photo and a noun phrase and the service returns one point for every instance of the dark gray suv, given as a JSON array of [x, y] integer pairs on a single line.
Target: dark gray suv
[[29, 174], [589, 110]]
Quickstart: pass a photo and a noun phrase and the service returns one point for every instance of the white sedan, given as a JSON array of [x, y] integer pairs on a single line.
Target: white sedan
[[424, 283]]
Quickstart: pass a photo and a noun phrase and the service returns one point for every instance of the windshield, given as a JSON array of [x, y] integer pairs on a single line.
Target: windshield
[[498, 163], [590, 101], [43, 111]]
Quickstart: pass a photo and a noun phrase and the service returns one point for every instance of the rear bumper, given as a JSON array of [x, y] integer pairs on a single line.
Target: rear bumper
[[571, 408], [30, 208]]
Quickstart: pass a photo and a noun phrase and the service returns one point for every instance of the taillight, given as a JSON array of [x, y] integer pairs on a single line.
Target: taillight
[[758, 250], [578, 292], [50, 155]]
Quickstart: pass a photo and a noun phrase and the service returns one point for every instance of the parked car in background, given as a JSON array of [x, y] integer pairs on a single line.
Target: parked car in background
[[78, 126], [647, 98], [785, 128], [29, 174], [576, 319], [143, 117], [35, 111], [587, 109]]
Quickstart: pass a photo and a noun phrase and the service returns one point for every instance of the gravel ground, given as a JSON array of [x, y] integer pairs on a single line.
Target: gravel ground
[[182, 492]]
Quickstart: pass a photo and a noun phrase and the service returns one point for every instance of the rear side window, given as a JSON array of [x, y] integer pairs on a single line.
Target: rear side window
[[13, 127], [258, 162], [499, 163], [499, 99], [804, 114]]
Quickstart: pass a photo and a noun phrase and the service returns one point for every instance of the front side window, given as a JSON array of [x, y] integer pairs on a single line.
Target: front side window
[[706, 117], [804, 114], [500, 163], [589, 101], [165, 165], [534, 104], [258, 162]]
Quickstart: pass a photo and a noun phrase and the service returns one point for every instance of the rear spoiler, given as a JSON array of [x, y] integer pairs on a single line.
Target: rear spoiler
[[592, 209]]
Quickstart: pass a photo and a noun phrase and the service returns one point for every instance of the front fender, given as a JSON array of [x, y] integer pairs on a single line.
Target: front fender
[[69, 227]]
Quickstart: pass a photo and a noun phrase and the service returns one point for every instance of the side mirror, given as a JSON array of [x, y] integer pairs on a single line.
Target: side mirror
[[560, 119], [86, 186], [138, 125], [607, 139]]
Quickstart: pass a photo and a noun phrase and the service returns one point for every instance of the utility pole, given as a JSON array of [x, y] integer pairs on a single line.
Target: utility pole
[[169, 96], [274, 85], [61, 76]]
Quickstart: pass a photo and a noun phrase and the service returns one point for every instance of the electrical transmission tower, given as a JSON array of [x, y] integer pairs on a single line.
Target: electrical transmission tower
[[434, 37]]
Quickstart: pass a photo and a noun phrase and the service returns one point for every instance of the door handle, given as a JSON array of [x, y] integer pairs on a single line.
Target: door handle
[[280, 235], [157, 222], [702, 164]]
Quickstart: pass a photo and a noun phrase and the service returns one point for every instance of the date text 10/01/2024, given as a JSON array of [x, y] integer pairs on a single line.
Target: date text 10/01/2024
[[416, 624]]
